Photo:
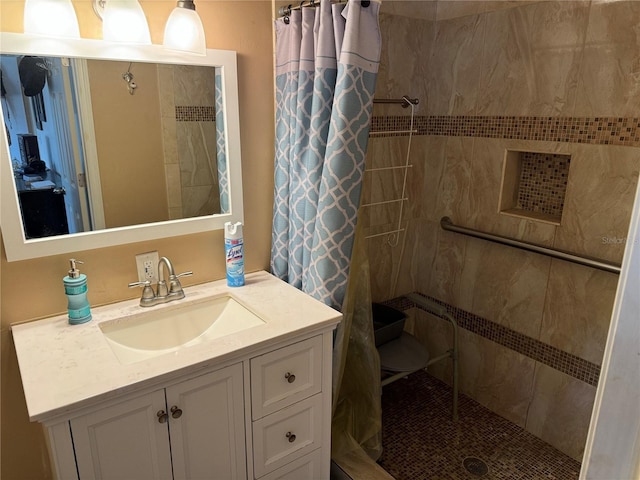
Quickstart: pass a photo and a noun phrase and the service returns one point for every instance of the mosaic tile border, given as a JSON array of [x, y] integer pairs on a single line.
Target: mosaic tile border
[[590, 130], [197, 113], [541, 352]]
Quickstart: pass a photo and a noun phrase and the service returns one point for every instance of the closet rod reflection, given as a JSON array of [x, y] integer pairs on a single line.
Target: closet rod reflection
[[447, 224]]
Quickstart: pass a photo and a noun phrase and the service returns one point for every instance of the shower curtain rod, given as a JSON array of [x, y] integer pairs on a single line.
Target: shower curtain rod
[[405, 101], [447, 224], [285, 10]]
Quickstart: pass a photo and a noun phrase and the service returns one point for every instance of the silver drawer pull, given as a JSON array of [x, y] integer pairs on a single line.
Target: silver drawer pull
[[290, 377], [162, 416], [291, 437]]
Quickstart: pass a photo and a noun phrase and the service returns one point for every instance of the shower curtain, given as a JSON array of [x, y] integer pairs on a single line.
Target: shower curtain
[[221, 147], [326, 67]]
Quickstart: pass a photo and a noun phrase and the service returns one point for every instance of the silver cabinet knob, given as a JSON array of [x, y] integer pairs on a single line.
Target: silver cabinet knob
[[162, 416], [290, 377], [176, 412], [291, 437]]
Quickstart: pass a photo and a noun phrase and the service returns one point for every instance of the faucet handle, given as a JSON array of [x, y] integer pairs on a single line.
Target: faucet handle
[[147, 291], [175, 287]]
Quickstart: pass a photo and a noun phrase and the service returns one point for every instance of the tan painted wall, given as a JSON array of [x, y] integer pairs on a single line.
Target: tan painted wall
[[129, 143], [33, 289]]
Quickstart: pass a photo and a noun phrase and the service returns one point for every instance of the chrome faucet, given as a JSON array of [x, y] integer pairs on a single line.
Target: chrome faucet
[[163, 294]]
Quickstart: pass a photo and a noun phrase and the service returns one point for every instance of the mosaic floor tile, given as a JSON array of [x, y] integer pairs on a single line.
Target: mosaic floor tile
[[421, 442]]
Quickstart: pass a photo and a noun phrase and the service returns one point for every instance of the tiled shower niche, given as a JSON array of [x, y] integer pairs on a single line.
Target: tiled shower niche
[[534, 185]]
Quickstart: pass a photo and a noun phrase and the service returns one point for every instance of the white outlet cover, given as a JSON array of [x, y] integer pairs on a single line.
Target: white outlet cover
[[147, 265]]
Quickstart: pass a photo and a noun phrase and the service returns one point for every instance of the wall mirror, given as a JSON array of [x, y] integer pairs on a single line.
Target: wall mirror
[[107, 144]]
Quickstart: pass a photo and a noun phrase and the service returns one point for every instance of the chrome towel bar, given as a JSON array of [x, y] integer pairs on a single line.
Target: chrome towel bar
[[447, 224]]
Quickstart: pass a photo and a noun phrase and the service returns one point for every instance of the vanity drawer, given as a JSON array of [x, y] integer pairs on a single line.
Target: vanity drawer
[[286, 435], [308, 467], [285, 376]]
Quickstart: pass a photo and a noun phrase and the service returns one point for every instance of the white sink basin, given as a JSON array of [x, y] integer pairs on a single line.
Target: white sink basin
[[183, 324]]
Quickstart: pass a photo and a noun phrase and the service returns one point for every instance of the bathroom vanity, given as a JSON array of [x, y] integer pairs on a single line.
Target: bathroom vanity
[[248, 396]]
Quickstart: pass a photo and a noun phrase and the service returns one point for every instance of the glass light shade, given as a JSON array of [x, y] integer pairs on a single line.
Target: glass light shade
[[53, 18], [124, 21], [184, 32]]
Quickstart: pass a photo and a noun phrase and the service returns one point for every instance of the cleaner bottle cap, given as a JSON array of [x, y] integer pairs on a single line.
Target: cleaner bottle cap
[[74, 272], [233, 230]]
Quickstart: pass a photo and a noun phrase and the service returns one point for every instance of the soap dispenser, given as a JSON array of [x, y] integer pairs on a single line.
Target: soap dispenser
[[75, 286]]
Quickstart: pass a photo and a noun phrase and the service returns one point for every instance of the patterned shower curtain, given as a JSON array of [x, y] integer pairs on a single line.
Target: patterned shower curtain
[[221, 146], [326, 66]]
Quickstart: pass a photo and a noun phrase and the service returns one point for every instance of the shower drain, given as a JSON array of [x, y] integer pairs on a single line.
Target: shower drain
[[475, 466]]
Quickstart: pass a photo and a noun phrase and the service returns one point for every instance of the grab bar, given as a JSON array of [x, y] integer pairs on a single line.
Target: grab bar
[[447, 224]]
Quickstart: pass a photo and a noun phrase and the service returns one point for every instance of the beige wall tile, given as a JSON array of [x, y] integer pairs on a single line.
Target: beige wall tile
[[456, 58], [496, 377], [449, 9], [448, 176], [504, 285], [423, 9], [560, 410], [608, 83], [577, 309], [597, 206], [174, 190], [482, 201], [445, 271], [531, 59], [404, 62]]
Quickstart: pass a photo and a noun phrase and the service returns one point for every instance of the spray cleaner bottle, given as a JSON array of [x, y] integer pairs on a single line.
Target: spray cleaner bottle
[[234, 250]]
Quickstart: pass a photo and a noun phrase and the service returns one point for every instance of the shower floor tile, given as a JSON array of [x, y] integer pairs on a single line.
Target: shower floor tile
[[421, 442]]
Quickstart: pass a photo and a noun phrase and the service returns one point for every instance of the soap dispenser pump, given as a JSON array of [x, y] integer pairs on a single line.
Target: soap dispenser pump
[[75, 286]]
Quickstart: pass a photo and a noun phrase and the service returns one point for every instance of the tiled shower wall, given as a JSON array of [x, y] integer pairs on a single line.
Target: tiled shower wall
[[187, 102], [501, 66]]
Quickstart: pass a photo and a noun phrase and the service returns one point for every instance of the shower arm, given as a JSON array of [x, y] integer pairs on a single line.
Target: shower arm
[[405, 101]]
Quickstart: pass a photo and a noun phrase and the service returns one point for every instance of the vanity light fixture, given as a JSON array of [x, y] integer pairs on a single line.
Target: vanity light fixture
[[123, 21], [53, 18], [184, 31]]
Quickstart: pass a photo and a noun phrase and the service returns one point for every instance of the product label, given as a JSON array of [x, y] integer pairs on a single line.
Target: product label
[[234, 250], [75, 290]]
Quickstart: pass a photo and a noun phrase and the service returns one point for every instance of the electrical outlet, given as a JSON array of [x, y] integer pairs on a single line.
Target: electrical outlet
[[147, 264]]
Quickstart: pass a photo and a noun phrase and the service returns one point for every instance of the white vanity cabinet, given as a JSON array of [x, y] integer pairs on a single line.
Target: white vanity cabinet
[[191, 429], [253, 403], [265, 417]]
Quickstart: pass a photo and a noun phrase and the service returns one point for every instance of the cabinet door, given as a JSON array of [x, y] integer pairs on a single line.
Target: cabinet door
[[206, 424], [125, 440]]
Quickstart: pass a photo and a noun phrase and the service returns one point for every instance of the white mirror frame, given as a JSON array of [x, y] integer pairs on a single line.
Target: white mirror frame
[[17, 247]]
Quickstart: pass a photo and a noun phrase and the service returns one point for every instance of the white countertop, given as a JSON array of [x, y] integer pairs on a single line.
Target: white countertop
[[64, 367]]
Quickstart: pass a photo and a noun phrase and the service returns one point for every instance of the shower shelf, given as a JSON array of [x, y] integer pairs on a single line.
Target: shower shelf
[[393, 235]]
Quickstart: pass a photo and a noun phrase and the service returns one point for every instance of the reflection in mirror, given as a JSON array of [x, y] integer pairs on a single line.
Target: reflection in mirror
[[153, 127], [106, 145]]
